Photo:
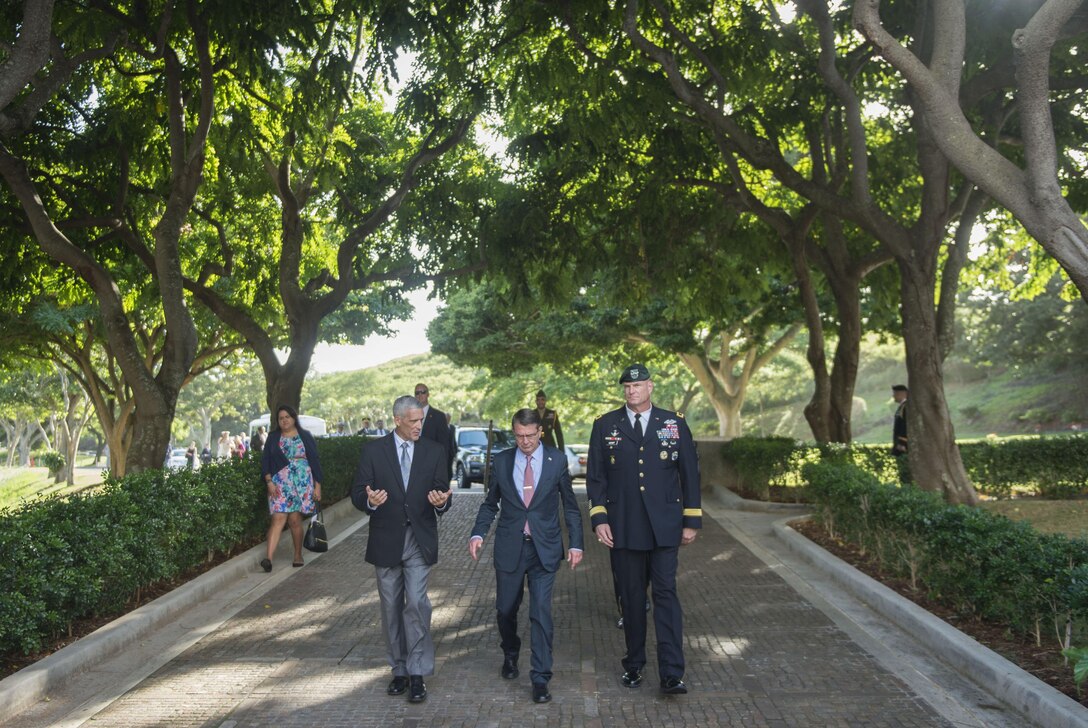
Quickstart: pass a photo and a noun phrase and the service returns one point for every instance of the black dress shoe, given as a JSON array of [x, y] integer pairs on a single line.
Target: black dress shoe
[[509, 669], [631, 679], [398, 685], [673, 686], [417, 690], [540, 693]]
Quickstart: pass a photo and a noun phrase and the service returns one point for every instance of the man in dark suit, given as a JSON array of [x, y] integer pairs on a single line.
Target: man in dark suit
[[643, 485], [899, 423], [899, 434], [528, 486], [436, 426], [401, 483], [549, 422]]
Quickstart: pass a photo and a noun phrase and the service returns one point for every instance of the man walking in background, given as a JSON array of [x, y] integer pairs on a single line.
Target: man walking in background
[[436, 426], [643, 485], [549, 421], [528, 487], [401, 483], [899, 433]]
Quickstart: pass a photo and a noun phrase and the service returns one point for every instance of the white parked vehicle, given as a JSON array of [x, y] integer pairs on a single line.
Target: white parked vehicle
[[315, 425], [577, 458], [179, 459]]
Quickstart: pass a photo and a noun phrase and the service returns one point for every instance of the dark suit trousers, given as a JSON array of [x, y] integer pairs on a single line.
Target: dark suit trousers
[[509, 589], [631, 569]]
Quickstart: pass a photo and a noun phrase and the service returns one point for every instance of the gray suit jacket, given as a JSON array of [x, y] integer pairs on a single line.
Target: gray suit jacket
[[553, 489]]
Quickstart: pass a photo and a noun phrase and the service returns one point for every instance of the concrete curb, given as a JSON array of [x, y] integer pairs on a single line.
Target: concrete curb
[[731, 500], [1021, 691], [35, 682]]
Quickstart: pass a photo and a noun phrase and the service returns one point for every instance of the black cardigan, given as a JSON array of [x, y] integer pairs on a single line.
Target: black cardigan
[[273, 460]]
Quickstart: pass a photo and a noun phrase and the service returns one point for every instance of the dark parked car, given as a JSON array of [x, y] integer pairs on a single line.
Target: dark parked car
[[468, 467]]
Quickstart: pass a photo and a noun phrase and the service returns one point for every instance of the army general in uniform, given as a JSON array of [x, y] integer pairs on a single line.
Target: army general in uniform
[[643, 485]]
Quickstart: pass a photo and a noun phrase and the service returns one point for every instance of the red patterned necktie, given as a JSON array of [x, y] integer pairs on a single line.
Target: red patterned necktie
[[527, 488]]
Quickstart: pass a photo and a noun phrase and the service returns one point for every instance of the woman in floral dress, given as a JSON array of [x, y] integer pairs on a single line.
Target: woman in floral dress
[[292, 476]]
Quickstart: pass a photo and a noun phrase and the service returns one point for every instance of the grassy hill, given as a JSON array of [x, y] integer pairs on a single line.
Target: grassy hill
[[982, 401]]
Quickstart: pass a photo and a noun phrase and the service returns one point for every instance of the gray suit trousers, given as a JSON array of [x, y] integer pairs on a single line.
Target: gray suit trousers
[[406, 612]]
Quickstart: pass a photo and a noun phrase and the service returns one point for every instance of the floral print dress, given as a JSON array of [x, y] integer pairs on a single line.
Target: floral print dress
[[295, 483]]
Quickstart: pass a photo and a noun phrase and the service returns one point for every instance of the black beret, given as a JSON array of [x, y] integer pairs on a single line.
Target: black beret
[[634, 373], [540, 393], [899, 388]]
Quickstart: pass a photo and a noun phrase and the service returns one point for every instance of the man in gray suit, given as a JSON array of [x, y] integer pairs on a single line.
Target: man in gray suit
[[401, 483], [528, 486]]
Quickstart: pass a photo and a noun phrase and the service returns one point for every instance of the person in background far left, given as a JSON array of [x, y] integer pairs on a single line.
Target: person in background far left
[[256, 443], [292, 474]]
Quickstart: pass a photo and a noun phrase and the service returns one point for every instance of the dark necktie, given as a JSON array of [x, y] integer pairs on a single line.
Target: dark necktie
[[638, 426], [405, 464]]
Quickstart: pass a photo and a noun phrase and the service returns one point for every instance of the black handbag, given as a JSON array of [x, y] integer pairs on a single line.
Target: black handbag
[[316, 538]]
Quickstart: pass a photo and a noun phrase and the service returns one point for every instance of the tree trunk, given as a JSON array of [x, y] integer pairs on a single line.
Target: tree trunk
[[934, 457], [818, 410], [724, 387], [844, 375]]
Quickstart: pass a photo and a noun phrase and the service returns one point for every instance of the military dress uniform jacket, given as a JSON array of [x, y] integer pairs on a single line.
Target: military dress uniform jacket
[[646, 491], [899, 430], [552, 434]]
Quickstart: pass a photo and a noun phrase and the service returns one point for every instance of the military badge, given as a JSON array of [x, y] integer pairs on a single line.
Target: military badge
[[664, 455], [669, 434], [675, 454]]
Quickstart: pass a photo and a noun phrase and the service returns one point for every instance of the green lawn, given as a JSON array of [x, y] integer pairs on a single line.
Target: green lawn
[[18, 485], [1065, 516]]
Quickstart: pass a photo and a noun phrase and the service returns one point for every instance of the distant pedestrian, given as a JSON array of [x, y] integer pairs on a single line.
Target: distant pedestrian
[[899, 423], [224, 446], [899, 434], [549, 421], [436, 426], [256, 443]]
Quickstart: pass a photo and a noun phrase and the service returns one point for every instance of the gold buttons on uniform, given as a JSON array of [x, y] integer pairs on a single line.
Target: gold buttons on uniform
[[641, 475], [640, 461], [642, 487]]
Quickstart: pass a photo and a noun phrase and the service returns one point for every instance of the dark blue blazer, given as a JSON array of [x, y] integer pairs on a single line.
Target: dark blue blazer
[[552, 490], [379, 467], [273, 460], [646, 490]]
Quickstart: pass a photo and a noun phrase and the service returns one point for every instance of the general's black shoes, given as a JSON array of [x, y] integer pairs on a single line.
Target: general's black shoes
[[631, 679], [509, 668]]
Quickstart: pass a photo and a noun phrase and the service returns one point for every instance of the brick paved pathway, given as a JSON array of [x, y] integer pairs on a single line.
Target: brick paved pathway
[[311, 653]]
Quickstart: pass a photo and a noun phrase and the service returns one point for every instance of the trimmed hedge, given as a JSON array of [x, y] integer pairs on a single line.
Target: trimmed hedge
[[976, 562], [1051, 467], [89, 555]]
